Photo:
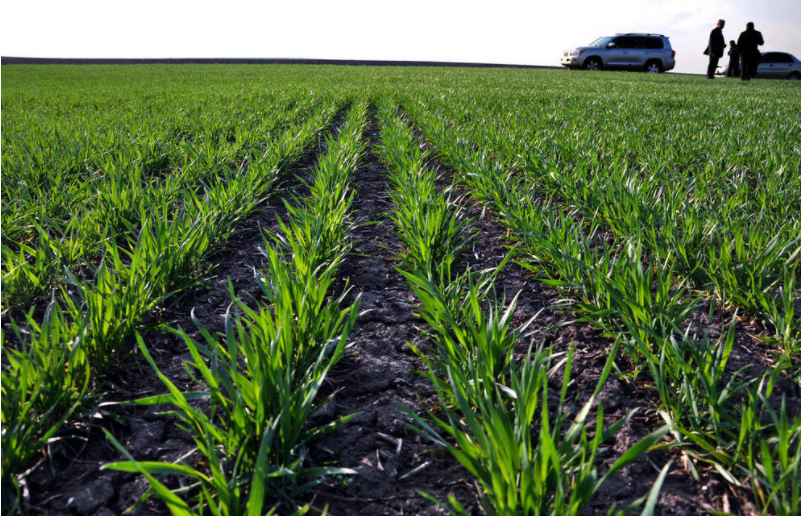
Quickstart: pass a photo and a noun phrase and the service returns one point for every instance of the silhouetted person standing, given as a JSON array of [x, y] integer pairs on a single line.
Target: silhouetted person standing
[[734, 60], [715, 48], [749, 42]]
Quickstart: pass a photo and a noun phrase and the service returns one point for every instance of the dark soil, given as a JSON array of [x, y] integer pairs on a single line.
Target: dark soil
[[378, 377], [375, 378]]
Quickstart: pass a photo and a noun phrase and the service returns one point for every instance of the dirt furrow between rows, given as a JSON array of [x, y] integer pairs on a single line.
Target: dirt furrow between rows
[[378, 376]]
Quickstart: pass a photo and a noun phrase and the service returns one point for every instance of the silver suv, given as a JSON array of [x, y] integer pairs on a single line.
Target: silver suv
[[647, 52]]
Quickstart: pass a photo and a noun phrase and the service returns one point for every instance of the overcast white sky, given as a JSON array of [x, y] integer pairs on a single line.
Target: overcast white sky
[[497, 31]]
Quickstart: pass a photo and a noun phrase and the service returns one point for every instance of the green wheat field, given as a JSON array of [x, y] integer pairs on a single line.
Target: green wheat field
[[662, 214]]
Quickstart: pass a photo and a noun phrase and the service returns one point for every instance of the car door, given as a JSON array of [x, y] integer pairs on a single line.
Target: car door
[[636, 54], [783, 65], [620, 55], [768, 66]]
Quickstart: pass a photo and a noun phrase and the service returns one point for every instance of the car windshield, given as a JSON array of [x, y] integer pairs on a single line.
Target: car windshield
[[601, 42]]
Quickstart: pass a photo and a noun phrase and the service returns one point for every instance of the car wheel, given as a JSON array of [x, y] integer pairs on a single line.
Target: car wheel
[[795, 76], [593, 64], [654, 67]]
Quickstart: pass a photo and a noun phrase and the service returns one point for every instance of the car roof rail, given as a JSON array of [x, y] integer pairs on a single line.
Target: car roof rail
[[639, 34]]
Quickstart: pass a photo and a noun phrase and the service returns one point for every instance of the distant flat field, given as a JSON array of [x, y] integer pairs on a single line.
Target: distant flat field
[[255, 287]]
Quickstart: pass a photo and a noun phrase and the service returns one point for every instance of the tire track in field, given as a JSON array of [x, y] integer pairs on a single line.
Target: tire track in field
[[378, 374], [75, 472]]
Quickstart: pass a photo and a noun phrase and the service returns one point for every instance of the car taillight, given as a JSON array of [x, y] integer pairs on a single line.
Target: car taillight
[[673, 54]]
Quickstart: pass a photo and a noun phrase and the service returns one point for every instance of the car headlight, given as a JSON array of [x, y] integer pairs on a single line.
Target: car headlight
[[574, 52]]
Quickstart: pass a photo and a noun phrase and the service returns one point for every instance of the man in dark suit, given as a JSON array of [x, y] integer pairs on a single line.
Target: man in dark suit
[[715, 48], [749, 42]]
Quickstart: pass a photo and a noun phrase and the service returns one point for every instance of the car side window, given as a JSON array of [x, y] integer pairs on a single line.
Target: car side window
[[651, 43], [769, 58], [624, 42], [783, 58]]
